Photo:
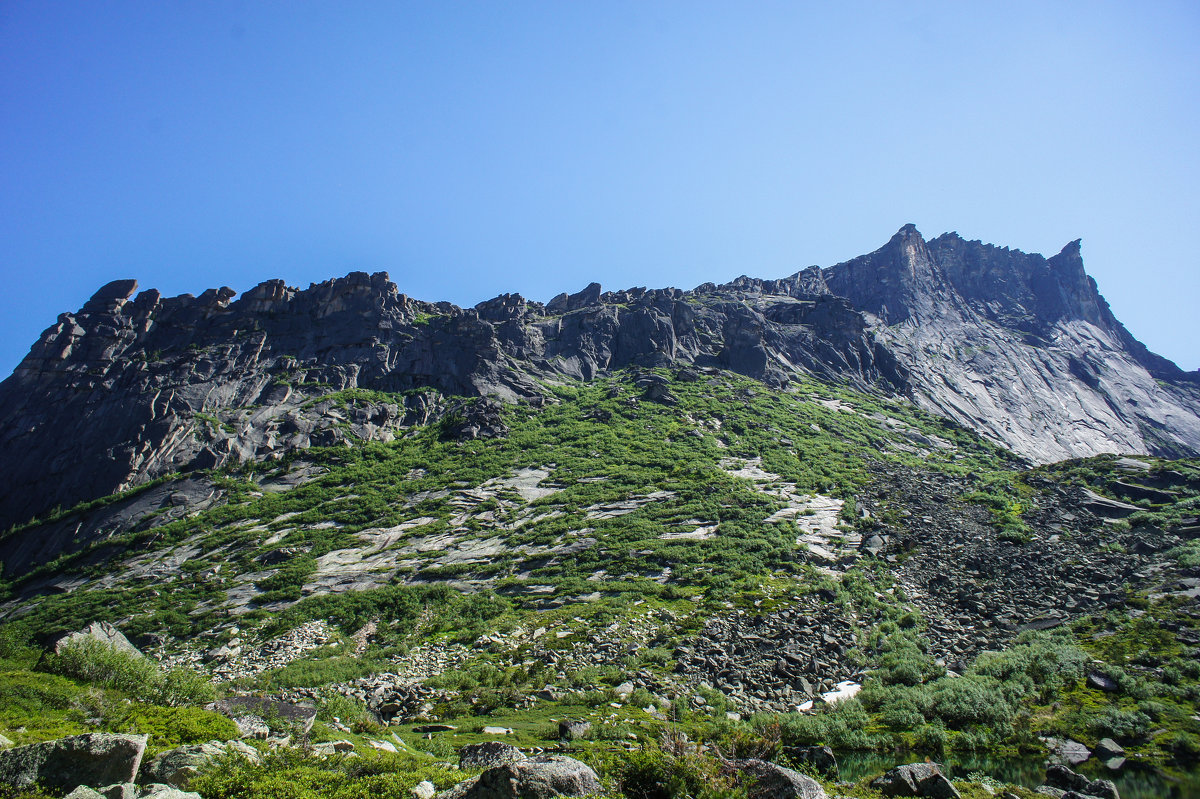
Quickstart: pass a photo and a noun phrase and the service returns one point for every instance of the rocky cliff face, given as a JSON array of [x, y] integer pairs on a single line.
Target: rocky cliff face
[[132, 387], [1021, 348]]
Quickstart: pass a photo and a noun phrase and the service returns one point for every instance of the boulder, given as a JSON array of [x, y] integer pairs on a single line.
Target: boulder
[[916, 779], [765, 780], [1102, 682], [1063, 779], [536, 778], [100, 631], [91, 759], [820, 758], [488, 754], [423, 790], [573, 730], [496, 731], [122, 790], [5, 743], [333, 747], [252, 727], [84, 792], [177, 767], [288, 715], [160, 791], [1067, 752]]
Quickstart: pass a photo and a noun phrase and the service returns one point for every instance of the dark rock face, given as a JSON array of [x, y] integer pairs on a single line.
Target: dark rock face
[[300, 716], [91, 759], [133, 387]]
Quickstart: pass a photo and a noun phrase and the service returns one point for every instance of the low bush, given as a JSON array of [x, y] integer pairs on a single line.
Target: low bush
[[98, 663], [295, 774], [1125, 725], [650, 773], [174, 726]]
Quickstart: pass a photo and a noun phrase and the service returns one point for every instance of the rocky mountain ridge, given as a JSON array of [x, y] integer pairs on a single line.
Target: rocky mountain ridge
[[131, 387]]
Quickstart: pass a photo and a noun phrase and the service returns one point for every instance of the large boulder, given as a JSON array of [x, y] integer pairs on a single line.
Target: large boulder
[[569, 730], [820, 758], [765, 780], [1062, 780], [488, 754], [1067, 752], [100, 631], [91, 759], [278, 715], [536, 778], [916, 779], [178, 767]]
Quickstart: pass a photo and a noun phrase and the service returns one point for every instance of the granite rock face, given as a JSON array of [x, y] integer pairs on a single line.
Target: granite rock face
[[1020, 348], [134, 386]]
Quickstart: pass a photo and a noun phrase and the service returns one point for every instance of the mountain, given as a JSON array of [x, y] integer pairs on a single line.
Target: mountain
[[689, 537], [1020, 348]]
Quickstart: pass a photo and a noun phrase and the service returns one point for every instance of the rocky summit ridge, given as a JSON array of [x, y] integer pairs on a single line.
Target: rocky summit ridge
[[133, 386]]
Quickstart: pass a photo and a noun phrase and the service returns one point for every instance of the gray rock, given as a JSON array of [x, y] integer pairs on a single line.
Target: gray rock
[[1102, 682], [5, 743], [916, 779], [819, 757], [490, 730], [252, 727], [91, 759], [488, 754], [84, 792], [423, 790], [1067, 752], [160, 791], [1108, 748], [569, 730], [333, 747], [177, 767], [280, 716], [536, 778], [767, 780], [100, 631], [1063, 779], [122, 790]]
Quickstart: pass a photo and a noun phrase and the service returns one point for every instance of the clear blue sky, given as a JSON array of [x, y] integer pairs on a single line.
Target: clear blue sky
[[473, 148]]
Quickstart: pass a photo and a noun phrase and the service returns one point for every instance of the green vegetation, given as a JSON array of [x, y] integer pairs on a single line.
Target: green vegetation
[[609, 539]]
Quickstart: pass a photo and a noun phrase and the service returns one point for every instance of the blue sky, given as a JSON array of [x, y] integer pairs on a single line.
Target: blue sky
[[476, 148]]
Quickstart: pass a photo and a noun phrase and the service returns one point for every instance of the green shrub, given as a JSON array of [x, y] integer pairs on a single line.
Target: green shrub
[[650, 773], [98, 663], [295, 774], [964, 701], [344, 708], [1113, 722], [174, 726]]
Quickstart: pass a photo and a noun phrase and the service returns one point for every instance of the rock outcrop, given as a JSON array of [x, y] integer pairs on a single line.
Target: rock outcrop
[[916, 779], [90, 759], [1019, 347]]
